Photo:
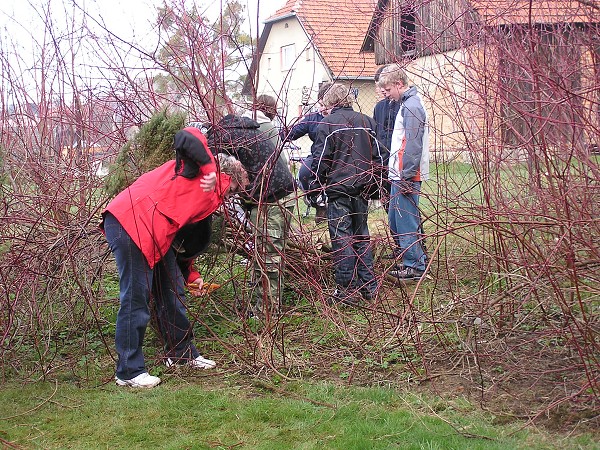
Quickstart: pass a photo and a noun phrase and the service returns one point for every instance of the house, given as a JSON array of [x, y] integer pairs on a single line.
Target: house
[[307, 42], [497, 74]]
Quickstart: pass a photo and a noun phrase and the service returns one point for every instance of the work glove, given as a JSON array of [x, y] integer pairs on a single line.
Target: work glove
[[316, 199]]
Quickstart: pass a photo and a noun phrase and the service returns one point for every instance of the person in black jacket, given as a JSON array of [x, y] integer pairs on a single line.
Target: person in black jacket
[[384, 113], [270, 200], [346, 152]]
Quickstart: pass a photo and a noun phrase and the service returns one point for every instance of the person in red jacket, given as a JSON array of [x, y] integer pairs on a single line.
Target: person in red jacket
[[140, 225]]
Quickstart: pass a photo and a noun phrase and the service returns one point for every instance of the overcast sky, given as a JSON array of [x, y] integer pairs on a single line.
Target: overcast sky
[[22, 32], [19, 19]]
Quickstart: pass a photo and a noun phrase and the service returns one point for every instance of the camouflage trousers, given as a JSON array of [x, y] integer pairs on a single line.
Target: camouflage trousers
[[271, 224]]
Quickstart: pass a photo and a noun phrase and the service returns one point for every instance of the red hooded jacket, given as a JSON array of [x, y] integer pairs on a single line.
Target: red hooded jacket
[[160, 202]]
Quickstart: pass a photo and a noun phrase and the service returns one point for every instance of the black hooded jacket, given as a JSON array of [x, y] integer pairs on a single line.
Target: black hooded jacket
[[347, 155], [269, 176]]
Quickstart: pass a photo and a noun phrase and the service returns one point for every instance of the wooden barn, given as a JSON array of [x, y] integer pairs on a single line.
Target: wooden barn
[[498, 74]]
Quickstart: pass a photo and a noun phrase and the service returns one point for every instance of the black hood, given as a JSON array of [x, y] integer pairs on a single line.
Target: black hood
[[233, 121]]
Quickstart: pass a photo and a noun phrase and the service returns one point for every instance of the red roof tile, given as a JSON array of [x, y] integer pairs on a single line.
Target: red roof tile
[[338, 29], [502, 12]]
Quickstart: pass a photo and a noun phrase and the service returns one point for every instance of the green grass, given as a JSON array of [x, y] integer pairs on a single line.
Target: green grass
[[199, 414]]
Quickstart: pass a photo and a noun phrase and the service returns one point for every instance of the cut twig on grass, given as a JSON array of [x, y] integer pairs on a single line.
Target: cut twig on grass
[[9, 444], [24, 413], [271, 388]]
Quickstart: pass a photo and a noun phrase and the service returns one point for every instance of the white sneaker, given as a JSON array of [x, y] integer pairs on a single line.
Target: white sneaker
[[143, 380], [198, 363], [202, 363]]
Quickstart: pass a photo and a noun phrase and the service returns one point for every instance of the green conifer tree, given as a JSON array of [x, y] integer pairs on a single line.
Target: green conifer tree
[[149, 148]]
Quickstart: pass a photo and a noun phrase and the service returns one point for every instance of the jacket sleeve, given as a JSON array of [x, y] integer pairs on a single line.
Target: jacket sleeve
[[192, 150], [187, 269], [414, 129], [299, 129]]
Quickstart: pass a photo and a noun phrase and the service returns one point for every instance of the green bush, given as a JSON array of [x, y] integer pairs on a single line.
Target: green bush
[[151, 147]]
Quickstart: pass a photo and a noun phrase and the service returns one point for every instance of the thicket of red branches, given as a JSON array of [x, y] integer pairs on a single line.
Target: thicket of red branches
[[512, 302]]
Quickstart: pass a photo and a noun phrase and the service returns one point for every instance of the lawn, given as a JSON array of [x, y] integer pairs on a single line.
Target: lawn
[[215, 411]]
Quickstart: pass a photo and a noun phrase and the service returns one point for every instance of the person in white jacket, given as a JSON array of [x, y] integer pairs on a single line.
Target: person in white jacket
[[408, 168]]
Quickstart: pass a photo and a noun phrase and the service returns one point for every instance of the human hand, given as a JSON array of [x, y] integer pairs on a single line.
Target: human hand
[[198, 290], [195, 287], [208, 182], [198, 281]]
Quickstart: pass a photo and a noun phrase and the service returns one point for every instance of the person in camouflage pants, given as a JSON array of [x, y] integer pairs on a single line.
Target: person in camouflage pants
[[269, 198]]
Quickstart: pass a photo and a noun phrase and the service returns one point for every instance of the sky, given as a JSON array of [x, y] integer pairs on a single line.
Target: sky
[[22, 32], [19, 19]]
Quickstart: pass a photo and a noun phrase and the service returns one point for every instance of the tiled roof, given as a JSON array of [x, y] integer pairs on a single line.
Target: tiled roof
[[337, 28], [503, 12]]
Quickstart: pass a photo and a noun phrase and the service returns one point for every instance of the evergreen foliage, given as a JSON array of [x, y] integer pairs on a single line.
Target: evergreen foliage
[[151, 147]]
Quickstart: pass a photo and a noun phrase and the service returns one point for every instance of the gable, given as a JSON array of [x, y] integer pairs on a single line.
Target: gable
[[336, 28]]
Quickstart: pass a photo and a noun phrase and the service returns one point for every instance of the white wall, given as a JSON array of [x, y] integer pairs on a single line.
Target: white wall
[[306, 73]]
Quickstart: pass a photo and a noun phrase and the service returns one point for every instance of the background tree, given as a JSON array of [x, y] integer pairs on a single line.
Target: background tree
[[149, 148], [204, 63]]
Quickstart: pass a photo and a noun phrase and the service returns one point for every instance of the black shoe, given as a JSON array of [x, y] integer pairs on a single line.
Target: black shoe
[[367, 295], [408, 273], [341, 295]]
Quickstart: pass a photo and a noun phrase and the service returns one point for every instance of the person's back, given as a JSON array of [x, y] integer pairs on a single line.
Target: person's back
[[270, 206], [241, 137], [346, 151]]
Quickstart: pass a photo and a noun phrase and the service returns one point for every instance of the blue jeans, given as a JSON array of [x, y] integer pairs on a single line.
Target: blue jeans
[[138, 284], [350, 243], [405, 222]]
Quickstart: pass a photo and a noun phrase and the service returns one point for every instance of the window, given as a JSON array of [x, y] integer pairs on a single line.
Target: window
[[407, 33], [288, 56], [307, 53]]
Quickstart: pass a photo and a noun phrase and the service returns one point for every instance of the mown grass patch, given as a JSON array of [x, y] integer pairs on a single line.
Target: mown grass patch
[[209, 413]]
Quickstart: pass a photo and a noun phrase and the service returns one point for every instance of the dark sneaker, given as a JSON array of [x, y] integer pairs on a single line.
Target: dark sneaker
[[197, 363], [408, 273], [254, 315], [342, 296]]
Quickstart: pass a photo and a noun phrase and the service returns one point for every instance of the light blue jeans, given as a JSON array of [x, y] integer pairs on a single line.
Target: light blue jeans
[[405, 223]]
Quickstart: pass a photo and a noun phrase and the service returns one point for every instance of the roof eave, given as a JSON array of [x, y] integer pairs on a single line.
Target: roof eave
[[251, 79], [283, 17], [368, 45]]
